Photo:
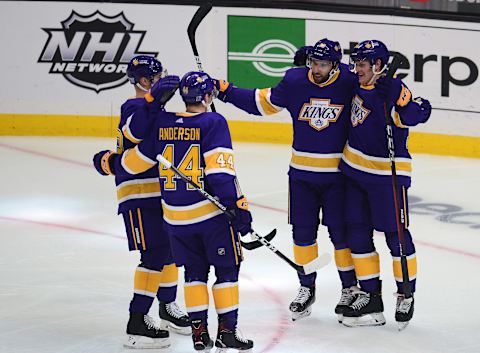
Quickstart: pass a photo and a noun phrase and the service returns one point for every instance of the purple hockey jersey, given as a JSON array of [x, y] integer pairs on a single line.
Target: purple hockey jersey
[[200, 146], [320, 114], [365, 156], [141, 190]]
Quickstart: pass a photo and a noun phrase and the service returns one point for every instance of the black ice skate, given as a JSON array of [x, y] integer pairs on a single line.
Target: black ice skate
[[174, 319], [231, 339], [403, 311], [200, 337], [347, 297], [366, 310], [301, 305], [143, 333]]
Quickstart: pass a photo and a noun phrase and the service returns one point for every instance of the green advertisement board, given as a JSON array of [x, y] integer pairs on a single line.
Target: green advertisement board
[[261, 49]]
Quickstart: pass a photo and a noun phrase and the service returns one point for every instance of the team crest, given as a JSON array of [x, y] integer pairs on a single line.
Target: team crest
[[320, 113], [358, 113]]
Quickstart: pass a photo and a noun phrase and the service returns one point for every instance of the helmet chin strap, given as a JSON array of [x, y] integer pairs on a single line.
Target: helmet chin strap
[[333, 72], [141, 87], [376, 74]]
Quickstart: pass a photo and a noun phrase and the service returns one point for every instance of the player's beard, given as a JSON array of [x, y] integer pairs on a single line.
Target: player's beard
[[319, 78]]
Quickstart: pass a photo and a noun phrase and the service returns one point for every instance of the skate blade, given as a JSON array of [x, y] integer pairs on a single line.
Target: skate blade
[[340, 318], [376, 319], [297, 316], [402, 325], [166, 325], [142, 342], [225, 350]]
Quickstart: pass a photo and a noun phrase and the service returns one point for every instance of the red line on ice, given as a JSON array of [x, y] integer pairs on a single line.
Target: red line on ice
[[283, 324], [45, 155], [61, 226]]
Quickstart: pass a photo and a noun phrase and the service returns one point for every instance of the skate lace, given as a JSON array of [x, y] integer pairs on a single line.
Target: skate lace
[[150, 322], [174, 310], [362, 300], [302, 295], [346, 297], [239, 336], [403, 305]]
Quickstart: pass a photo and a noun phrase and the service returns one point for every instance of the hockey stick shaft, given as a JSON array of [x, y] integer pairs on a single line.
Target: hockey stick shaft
[[309, 268], [399, 209], [230, 214], [197, 18]]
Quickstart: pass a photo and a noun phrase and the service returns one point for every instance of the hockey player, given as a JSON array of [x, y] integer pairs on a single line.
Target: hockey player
[[198, 143], [369, 197], [140, 207], [318, 99]]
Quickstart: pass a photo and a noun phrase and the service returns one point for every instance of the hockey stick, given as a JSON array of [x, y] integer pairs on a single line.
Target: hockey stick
[[230, 213], [311, 267], [399, 210], [197, 18]]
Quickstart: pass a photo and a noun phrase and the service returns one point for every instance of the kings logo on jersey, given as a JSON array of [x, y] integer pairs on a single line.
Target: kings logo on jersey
[[320, 113], [92, 51], [358, 113]]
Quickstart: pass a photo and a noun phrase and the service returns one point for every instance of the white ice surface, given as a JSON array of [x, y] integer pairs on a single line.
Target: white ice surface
[[66, 275]]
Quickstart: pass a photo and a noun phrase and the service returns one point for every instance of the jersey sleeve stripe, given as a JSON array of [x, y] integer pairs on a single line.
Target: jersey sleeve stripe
[[397, 120], [405, 96], [128, 133], [219, 160], [217, 150], [134, 162], [262, 99]]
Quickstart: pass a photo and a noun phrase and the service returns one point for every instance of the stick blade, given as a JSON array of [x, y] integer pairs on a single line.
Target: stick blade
[[196, 19], [313, 266], [252, 245]]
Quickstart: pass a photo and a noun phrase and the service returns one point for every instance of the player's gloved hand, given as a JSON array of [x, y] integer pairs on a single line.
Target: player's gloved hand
[[387, 89], [223, 88], [300, 58], [242, 220], [104, 162], [163, 90], [425, 107]]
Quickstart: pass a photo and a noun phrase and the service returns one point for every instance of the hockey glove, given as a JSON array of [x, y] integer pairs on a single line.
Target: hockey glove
[[162, 91], [425, 107], [223, 88], [104, 162], [242, 220], [301, 55], [392, 91]]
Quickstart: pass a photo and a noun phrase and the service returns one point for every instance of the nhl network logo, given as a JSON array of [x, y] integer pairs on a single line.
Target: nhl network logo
[[92, 51]]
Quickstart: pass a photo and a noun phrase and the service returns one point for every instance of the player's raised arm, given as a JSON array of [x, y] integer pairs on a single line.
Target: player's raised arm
[[259, 101], [134, 160], [408, 111]]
